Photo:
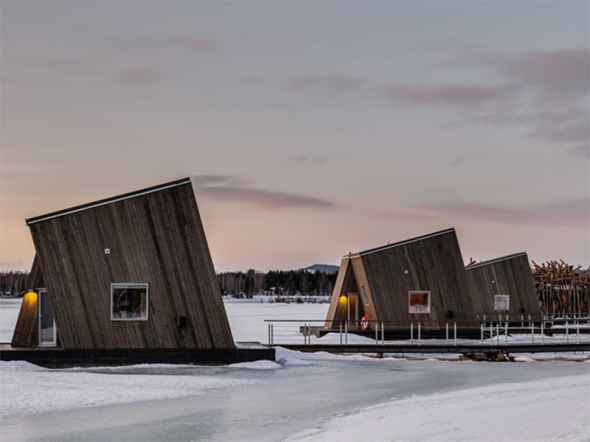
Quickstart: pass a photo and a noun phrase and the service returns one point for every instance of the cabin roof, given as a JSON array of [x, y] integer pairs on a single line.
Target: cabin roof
[[404, 242], [106, 201], [495, 260]]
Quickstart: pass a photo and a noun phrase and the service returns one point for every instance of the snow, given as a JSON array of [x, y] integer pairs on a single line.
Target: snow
[[301, 395], [257, 365], [26, 388], [9, 310], [533, 411]]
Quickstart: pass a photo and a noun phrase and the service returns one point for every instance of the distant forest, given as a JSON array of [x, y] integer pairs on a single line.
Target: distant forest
[[279, 282], [248, 283], [12, 282]]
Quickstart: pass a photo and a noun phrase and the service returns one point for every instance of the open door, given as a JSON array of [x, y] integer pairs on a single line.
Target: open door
[[47, 330]]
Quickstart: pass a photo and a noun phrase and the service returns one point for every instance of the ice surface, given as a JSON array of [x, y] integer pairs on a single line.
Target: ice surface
[[260, 402], [257, 365], [26, 388], [532, 411]]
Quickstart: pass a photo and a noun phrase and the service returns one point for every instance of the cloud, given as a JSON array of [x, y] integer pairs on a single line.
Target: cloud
[[188, 43], [139, 76], [326, 85], [444, 94], [550, 92], [228, 188], [568, 212]]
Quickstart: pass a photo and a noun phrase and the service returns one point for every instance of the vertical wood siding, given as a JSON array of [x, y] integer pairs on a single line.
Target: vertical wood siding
[[157, 239], [434, 264], [512, 277], [26, 330]]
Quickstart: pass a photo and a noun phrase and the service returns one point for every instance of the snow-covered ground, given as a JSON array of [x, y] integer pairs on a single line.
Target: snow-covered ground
[[554, 409], [299, 397]]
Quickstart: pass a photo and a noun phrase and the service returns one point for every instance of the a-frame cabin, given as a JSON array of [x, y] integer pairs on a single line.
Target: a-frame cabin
[[128, 272], [505, 286], [417, 280]]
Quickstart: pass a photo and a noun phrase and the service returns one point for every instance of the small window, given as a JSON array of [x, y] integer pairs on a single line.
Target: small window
[[419, 302], [129, 302], [364, 293], [501, 303]]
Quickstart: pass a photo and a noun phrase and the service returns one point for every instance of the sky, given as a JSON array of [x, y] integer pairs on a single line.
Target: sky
[[310, 129]]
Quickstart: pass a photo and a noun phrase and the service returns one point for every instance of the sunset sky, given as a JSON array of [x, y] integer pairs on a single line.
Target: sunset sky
[[310, 129]]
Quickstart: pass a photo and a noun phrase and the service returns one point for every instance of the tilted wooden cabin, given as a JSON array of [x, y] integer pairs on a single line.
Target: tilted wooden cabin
[[505, 285], [418, 280], [129, 272]]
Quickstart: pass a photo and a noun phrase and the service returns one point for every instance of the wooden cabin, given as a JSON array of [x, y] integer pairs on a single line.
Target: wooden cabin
[[417, 280], [128, 272], [505, 285]]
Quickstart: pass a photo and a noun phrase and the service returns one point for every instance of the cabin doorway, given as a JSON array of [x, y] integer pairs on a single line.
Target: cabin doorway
[[353, 310], [47, 329]]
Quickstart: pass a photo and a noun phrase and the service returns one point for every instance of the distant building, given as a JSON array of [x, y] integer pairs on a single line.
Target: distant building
[[505, 286], [421, 279]]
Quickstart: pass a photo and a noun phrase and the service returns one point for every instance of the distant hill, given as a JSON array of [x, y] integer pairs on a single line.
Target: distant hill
[[327, 268]]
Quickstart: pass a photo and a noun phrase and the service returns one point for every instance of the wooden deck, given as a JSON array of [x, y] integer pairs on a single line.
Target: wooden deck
[[59, 357], [439, 348]]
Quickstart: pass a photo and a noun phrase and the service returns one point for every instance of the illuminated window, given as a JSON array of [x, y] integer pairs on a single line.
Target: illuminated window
[[129, 302], [419, 302]]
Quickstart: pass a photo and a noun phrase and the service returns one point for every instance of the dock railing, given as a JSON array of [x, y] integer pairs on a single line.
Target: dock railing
[[493, 331]]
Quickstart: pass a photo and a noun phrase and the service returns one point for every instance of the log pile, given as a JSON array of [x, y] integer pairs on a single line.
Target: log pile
[[564, 290]]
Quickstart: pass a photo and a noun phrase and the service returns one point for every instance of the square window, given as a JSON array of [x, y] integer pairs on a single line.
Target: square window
[[501, 303], [129, 302], [419, 302]]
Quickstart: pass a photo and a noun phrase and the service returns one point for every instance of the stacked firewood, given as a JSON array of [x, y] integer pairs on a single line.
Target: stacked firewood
[[564, 290]]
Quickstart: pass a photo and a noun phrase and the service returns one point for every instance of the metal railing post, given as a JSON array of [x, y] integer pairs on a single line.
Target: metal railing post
[[498, 332], [532, 331], [542, 331], [269, 334], [346, 333], [411, 333], [506, 333], [376, 333], [481, 331], [455, 333], [491, 333], [382, 333], [567, 332], [521, 321], [578, 332], [272, 333], [447, 333], [419, 331], [340, 332]]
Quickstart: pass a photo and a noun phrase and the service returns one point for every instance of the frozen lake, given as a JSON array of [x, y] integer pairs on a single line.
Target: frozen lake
[[304, 397]]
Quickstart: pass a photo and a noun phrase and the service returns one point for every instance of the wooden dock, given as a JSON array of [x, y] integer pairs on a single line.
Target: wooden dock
[[440, 348], [58, 357]]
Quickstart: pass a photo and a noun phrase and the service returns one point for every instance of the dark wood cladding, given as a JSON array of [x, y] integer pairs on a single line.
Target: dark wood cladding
[[428, 263], [155, 238], [434, 264], [509, 275], [26, 329]]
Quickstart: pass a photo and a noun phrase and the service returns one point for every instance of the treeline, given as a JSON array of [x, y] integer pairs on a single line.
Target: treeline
[[252, 282], [279, 282], [13, 282]]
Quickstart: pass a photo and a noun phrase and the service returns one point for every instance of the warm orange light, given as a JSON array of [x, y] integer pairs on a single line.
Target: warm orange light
[[30, 298], [343, 299]]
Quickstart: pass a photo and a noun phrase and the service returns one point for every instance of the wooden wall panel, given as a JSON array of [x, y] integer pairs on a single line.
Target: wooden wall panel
[[26, 329], [156, 238], [433, 263], [509, 275], [361, 281]]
